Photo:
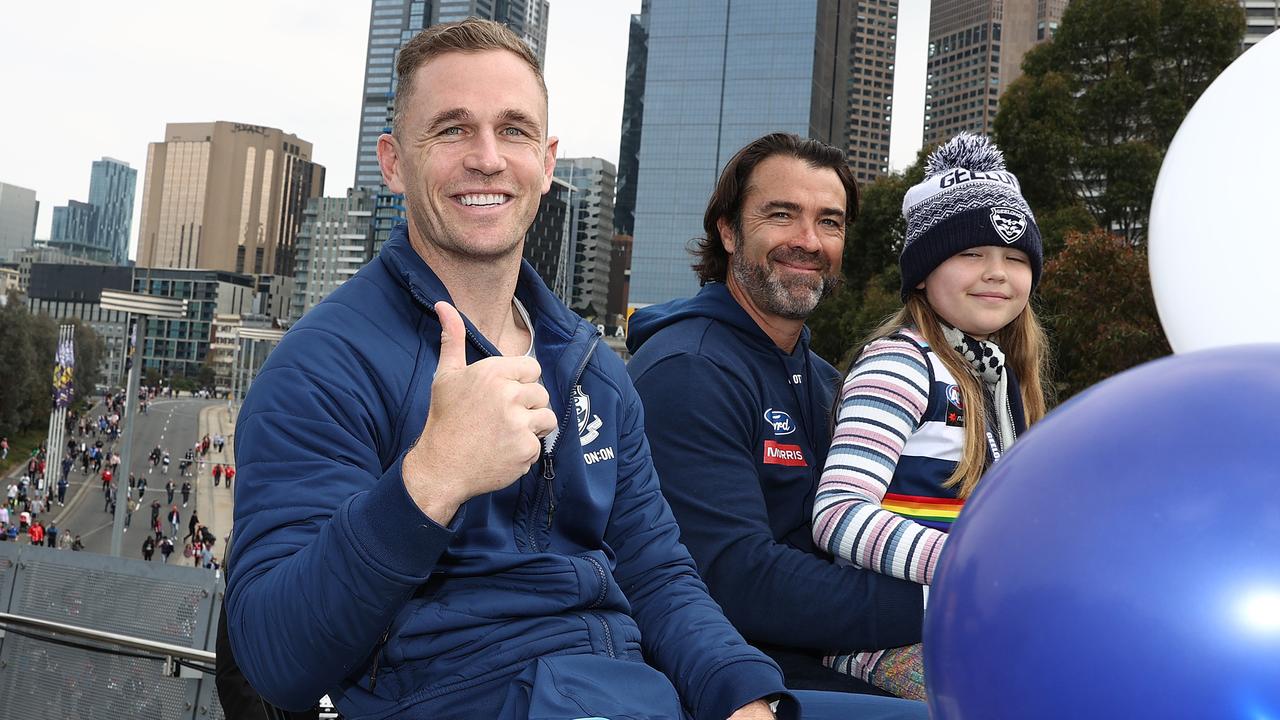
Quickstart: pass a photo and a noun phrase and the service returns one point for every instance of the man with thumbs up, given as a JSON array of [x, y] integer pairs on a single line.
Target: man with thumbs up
[[447, 506]]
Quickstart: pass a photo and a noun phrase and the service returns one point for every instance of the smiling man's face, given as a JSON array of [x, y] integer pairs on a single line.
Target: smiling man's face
[[473, 159], [785, 254]]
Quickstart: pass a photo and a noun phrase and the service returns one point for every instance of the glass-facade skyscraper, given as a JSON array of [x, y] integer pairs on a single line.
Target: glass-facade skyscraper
[[590, 231], [720, 73], [391, 24], [624, 214], [111, 187], [99, 230]]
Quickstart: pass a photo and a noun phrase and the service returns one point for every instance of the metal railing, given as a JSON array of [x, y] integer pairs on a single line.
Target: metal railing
[[94, 636]]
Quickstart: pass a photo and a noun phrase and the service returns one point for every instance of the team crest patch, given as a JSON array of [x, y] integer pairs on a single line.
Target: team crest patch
[[955, 407], [588, 424], [1010, 223]]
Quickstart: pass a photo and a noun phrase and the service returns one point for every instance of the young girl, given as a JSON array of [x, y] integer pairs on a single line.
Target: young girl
[[941, 390]]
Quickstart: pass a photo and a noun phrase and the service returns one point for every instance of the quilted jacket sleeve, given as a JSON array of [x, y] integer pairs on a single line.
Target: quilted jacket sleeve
[[328, 545]]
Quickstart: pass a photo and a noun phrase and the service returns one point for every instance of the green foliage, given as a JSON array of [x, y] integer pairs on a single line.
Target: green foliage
[[1097, 303], [91, 353], [30, 342], [1090, 119], [19, 366]]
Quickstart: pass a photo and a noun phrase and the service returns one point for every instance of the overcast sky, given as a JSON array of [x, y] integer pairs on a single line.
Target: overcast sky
[[86, 78]]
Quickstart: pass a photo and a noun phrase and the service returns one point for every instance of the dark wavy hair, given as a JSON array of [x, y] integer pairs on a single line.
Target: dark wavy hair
[[711, 259]]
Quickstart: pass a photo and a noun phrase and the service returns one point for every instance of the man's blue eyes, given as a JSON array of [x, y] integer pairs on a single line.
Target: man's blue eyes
[[513, 131]]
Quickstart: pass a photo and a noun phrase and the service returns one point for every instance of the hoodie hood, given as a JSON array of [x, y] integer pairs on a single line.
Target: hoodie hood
[[712, 301]]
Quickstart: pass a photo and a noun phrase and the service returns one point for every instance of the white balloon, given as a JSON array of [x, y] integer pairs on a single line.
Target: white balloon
[[1215, 229]]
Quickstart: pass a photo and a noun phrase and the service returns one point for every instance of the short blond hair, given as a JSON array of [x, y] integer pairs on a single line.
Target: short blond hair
[[469, 36]]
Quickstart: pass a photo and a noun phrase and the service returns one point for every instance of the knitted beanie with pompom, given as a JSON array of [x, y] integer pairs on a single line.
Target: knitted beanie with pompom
[[967, 199]]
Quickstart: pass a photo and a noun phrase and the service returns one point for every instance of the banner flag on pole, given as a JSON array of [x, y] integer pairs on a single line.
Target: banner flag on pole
[[64, 373]]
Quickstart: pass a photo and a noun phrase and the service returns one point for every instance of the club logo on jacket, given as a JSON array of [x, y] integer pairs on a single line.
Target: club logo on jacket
[[779, 421], [588, 424], [1010, 223]]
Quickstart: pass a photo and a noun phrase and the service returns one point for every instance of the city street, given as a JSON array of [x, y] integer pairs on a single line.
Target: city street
[[171, 424]]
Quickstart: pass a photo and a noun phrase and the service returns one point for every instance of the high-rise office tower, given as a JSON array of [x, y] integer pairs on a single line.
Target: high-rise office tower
[[871, 64], [391, 24], [547, 246], [590, 230], [111, 188], [975, 52], [720, 73], [18, 211], [1262, 17], [331, 246], [99, 229], [624, 211], [225, 196], [73, 229]]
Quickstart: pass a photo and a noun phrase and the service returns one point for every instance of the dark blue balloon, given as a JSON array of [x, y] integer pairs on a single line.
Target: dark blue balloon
[[1123, 560]]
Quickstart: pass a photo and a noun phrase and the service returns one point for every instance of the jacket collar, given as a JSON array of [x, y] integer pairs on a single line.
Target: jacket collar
[[548, 314]]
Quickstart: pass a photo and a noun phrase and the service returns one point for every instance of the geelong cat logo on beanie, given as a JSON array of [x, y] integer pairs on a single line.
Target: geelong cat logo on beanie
[[1009, 222]]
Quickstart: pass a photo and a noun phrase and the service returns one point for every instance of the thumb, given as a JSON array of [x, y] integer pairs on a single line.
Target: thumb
[[453, 344]]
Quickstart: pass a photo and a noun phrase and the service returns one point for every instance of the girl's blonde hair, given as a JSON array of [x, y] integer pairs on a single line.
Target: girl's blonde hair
[[1026, 352]]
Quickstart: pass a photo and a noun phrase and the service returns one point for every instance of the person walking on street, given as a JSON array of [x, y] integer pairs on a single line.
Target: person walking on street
[[217, 474], [166, 548], [148, 548], [192, 523], [168, 488], [51, 536], [186, 492], [62, 490], [230, 474], [76, 545], [175, 519]]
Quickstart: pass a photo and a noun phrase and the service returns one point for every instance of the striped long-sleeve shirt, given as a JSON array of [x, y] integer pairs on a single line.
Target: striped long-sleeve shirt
[[882, 404]]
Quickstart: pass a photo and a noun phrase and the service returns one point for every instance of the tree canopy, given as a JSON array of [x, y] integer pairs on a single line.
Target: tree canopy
[[1088, 123], [30, 342]]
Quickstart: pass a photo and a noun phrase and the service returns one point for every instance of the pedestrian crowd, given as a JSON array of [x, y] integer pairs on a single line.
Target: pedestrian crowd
[[91, 447]]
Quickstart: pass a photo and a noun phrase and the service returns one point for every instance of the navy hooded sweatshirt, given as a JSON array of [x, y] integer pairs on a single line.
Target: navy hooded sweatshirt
[[739, 432]]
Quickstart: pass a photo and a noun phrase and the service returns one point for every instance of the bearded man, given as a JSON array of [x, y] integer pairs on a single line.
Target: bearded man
[[738, 410]]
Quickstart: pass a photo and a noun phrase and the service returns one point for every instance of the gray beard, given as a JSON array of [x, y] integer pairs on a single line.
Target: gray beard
[[792, 300]]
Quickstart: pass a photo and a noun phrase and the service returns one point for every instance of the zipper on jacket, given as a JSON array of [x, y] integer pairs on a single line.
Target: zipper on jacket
[[549, 476], [608, 635], [1013, 428], [548, 454], [604, 580], [377, 655]]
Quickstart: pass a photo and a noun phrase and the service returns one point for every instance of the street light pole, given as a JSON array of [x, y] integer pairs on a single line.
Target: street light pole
[[139, 306]]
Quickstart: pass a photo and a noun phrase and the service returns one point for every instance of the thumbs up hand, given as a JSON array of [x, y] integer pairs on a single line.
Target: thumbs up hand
[[484, 426]]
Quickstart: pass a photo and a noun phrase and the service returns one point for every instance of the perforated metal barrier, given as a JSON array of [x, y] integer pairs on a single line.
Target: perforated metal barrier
[[165, 603]]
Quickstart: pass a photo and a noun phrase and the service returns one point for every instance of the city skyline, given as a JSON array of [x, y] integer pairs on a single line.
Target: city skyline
[[297, 66]]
